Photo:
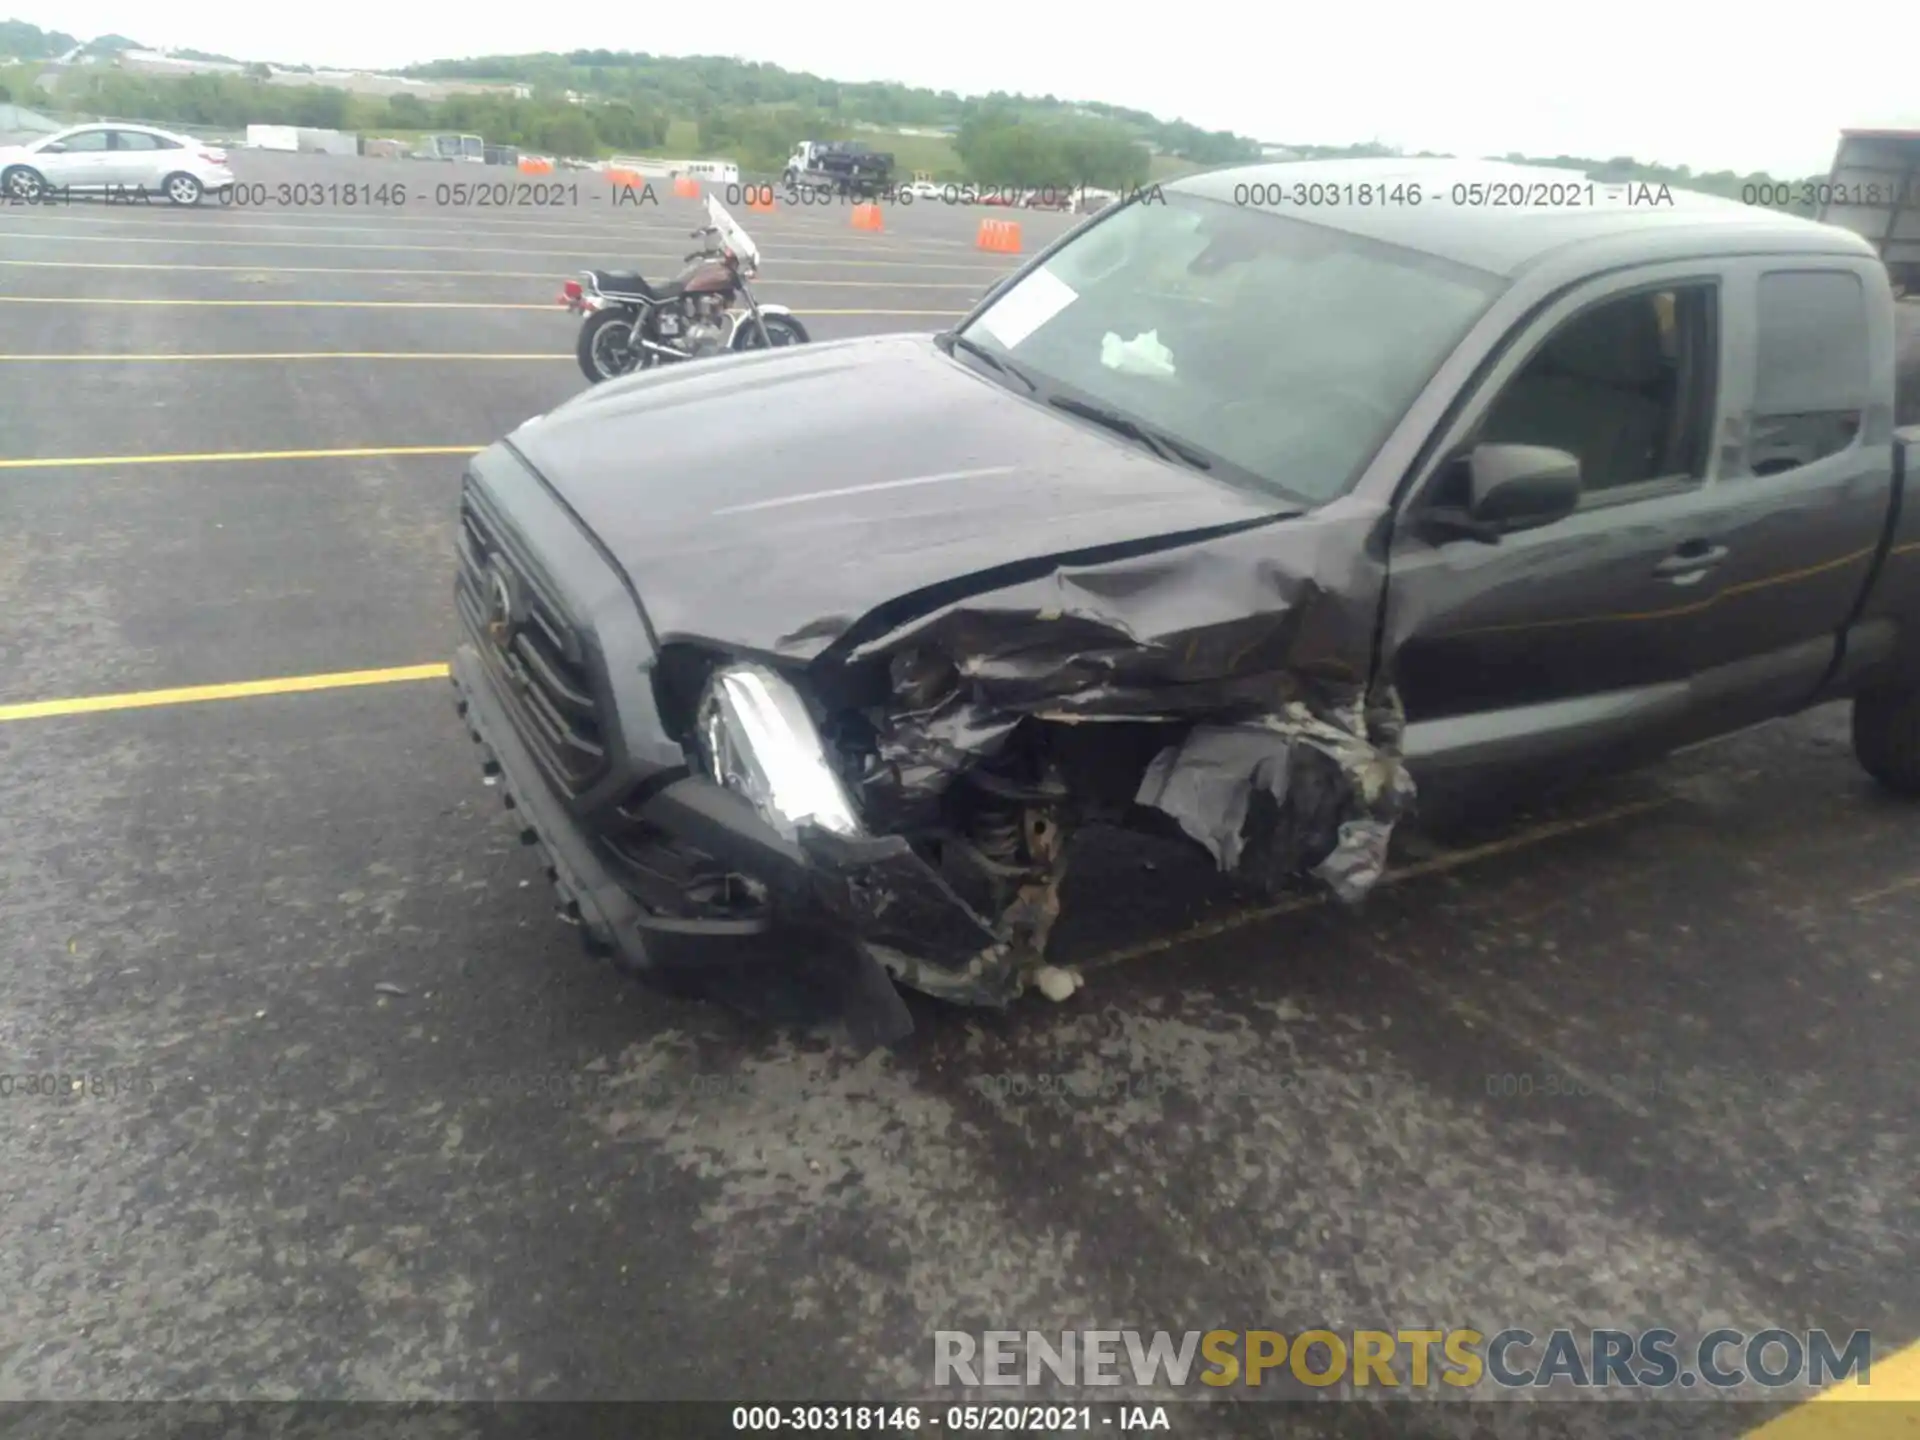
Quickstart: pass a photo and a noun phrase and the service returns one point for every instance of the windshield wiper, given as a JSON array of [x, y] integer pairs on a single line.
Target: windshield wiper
[[1165, 446], [957, 341]]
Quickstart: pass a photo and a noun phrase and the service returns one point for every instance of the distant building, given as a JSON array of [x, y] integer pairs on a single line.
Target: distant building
[[373, 82], [157, 62]]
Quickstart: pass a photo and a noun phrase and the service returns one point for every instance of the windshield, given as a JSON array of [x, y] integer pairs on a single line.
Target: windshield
[[736, 239], [1284, 351]]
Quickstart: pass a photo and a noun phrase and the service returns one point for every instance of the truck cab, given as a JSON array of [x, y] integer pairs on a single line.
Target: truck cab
[[1325, 512]]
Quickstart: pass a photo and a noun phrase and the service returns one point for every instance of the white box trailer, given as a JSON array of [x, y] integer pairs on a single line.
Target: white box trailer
[[642, 165], [328, 142], [713, 172], [1874, 191], [273, 137]]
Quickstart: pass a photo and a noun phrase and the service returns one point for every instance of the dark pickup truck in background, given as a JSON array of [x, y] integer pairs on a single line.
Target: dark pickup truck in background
[[1242, 524]]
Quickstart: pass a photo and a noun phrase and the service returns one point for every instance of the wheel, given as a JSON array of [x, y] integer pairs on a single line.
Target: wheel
[[24, 184], [1886, 738], [782, 330], [603, 348], [181, 189]]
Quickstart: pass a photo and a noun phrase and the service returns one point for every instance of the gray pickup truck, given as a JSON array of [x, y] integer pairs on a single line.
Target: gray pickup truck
[[1242, 514]]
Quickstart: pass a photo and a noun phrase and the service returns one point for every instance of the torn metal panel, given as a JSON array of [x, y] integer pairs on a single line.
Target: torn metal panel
[[1288, 794], [891, 896], [918, 755], [1252, 649]]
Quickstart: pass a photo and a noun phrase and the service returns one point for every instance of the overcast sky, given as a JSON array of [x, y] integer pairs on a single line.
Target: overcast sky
[[1711, 86]]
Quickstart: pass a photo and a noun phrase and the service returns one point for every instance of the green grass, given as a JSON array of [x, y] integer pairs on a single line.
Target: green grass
[[1169, 167], [913, 153]]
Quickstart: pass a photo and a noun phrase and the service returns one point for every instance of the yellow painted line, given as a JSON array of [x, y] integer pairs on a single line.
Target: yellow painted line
[[77, 462], [599, 254], [287, 685], [105, 359], [1837, 1413], [1452, 860], [1912, 882], [381, 304], [551, 276]]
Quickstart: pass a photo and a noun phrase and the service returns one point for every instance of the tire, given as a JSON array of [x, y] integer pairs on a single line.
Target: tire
[[1886, 738], [605, 331], [782, 330], [23, 184], [182, 189]]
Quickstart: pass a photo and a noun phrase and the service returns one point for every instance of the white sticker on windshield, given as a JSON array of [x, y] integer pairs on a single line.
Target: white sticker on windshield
[[1028, 306]]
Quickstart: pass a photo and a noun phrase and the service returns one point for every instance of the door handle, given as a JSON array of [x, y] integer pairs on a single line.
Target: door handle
[[1691, 561]]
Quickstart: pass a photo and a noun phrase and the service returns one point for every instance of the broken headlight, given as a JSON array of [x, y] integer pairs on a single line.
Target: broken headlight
[[757, 739]]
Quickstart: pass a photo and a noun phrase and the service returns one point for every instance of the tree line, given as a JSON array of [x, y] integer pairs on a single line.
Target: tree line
[[702, 85], [747, 112], [1003, 147], [995, 148], [548, 125]]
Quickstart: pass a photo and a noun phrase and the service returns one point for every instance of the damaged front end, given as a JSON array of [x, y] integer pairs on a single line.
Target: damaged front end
[[934, 776]]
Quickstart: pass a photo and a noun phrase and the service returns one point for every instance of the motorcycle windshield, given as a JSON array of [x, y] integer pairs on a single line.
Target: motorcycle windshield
[[737, 240]]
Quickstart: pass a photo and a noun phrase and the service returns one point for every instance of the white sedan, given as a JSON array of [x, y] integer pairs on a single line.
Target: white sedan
[[115, 158]]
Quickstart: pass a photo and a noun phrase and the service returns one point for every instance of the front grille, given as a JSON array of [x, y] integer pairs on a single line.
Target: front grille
[[538, 663]]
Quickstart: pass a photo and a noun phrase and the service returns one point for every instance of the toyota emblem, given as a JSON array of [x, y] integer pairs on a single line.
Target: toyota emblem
[[500, 608]]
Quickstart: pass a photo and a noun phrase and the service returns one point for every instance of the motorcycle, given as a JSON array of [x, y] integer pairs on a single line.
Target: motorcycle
[[707, 309]]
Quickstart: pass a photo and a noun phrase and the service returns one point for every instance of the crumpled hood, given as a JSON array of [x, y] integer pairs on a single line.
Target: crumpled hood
[[768, 501]]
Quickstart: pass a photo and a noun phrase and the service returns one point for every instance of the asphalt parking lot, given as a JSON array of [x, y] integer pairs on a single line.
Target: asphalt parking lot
[[358, 1119]]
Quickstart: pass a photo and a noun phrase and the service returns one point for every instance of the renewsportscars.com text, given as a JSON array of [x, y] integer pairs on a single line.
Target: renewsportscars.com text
[[1402, 1359]]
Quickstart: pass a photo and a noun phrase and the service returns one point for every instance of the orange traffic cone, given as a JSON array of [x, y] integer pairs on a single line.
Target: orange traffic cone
[[867, 217], [1000, 236], [624, 177], [760, 197], [686, 187]]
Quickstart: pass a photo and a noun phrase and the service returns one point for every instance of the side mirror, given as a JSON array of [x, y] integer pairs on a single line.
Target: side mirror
[[58, 147], [1509, 488]]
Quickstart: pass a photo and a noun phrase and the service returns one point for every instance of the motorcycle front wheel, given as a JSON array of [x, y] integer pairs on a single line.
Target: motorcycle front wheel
[[605, 348], [781, 330]]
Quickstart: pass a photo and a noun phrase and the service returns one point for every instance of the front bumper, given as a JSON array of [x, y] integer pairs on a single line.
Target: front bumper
[[837, 906], [560, 699]]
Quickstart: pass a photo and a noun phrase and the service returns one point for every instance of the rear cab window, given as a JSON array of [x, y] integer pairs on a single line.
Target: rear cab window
[[1812, 379]]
